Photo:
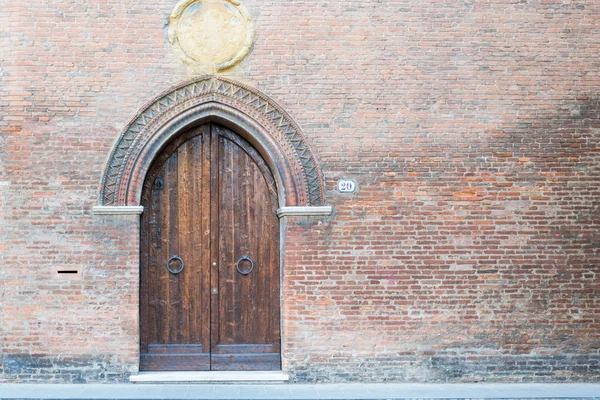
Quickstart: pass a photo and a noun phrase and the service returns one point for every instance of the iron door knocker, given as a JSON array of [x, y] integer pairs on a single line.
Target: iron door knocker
[[175, 271], [245, 271]]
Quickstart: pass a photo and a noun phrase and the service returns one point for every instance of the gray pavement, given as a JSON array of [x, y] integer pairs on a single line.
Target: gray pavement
[[351, 391]]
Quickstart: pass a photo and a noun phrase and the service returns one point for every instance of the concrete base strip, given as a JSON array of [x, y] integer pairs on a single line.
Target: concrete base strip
[[352, 391]]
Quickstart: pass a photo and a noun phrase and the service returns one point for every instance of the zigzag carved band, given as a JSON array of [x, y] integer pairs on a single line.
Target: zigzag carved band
[[136, 147]]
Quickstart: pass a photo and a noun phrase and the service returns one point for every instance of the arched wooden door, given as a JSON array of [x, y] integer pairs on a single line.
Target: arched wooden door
[[210, 208]]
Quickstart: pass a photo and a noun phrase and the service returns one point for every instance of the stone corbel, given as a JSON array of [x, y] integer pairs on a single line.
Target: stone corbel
[[302, 211], [117, 210]]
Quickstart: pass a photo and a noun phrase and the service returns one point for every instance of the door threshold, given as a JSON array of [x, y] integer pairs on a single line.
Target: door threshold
[[209, 377]]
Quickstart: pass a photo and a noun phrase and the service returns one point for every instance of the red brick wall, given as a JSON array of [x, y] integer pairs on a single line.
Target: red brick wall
[[471, 250]]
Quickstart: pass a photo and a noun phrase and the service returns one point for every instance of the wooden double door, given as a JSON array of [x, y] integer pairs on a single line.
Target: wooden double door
[[209, 278]]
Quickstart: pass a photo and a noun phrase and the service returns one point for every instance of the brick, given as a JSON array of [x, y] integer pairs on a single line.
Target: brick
[[470, 251]]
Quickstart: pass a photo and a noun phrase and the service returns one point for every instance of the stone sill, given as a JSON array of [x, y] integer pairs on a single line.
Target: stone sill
[[209, 377]]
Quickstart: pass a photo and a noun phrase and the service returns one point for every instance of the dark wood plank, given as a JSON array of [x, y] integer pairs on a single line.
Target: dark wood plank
[[188, 277], [145, 243], [244, 349], [248, 305], [175, 358], [215, 235], [203, 238], [246, 362], [175, 349], [170, 291]]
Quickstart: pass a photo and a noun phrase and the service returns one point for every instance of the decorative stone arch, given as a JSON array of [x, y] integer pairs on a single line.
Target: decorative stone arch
[[250, 113]]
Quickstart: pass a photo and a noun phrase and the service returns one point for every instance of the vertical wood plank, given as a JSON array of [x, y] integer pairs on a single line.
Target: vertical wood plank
[[214, 237], [144, 260], [185, 278], [203, 239], [171, 289], [157, 274]]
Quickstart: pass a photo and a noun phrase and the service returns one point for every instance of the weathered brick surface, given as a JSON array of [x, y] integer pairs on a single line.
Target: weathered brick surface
[[471, 250]]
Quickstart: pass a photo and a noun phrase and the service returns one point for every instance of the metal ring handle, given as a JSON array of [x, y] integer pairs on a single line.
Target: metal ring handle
[[246, 271], [175, 271]]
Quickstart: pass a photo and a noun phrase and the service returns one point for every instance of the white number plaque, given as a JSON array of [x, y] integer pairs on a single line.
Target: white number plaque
[[346, 186]]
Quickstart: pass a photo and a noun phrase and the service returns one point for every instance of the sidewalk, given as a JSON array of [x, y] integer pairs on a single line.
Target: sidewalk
[[352, 391]]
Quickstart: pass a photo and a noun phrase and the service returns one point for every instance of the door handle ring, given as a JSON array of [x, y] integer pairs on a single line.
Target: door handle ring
[[175, 271], [245, 271]]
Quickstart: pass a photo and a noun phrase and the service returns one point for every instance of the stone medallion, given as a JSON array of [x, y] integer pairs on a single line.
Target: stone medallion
[[216, 34]]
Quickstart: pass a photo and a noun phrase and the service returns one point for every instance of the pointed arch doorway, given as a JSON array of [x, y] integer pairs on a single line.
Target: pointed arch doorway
[[184, 124], [209, 276]]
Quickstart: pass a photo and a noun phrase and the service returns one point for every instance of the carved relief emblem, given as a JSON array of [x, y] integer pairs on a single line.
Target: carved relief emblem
[[214, 34]]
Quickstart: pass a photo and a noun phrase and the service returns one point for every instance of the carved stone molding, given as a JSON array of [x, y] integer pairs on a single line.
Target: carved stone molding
[[245, 110]]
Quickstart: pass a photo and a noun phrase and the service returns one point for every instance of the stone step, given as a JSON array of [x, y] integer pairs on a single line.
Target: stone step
[[210, 377]]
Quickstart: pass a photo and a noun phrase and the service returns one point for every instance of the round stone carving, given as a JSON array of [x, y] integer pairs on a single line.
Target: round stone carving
[[213, 33]]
